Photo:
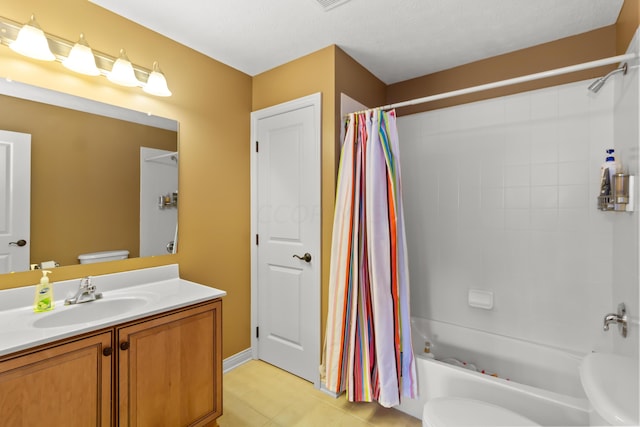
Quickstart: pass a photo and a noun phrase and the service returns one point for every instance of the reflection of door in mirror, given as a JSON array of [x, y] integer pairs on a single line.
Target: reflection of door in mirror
[[158, 201], [15, 182]]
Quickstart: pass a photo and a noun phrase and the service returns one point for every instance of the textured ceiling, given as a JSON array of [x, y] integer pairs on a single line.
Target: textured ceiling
[[394, 39]]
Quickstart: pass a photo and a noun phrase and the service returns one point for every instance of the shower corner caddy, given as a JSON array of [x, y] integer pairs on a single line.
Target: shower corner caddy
[[169, 200], [622, 199]]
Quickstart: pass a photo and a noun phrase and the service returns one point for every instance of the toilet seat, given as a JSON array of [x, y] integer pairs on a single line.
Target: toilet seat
[[455, 411]]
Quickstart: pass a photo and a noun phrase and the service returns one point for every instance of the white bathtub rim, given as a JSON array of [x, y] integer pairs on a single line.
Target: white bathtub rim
[[578, 403], [578, 354], [539, 365]]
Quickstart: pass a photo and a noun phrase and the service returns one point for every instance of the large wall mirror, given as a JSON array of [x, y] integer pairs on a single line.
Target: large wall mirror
[[100, 178]]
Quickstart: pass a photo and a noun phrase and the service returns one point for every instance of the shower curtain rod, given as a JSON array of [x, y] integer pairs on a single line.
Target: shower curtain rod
[[515, 80]]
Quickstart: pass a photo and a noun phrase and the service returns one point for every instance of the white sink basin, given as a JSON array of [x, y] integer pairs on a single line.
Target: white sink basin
[[126, 296], [610, 382], [89, 311]]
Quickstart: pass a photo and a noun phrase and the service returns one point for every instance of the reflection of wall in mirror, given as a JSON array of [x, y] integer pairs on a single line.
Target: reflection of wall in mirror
[[85, 178]]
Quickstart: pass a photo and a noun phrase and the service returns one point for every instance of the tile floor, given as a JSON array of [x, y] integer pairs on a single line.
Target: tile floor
[[259, 394]]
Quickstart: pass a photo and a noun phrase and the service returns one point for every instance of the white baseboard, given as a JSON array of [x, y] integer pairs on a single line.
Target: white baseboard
[[329, 392], [236, 360]]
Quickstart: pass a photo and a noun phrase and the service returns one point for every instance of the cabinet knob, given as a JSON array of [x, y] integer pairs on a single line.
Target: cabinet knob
[[107, 351], [124, 345]]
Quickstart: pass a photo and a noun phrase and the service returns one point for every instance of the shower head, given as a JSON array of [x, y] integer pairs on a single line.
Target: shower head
[[599, 82]]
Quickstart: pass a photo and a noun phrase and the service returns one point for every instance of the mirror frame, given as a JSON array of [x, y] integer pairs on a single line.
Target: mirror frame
[[65, 100]]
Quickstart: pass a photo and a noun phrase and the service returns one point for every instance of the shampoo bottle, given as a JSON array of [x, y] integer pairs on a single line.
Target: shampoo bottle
[[607, 171], [611, 165], [43, 300]]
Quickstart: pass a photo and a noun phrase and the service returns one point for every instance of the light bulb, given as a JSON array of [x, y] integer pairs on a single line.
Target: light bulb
[[122, 72], [81, 59], [32, 42], [157, 83]]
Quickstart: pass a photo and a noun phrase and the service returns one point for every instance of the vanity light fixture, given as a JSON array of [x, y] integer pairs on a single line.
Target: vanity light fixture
[[122, 72], [157, 83], [32, 42], [79, 57]]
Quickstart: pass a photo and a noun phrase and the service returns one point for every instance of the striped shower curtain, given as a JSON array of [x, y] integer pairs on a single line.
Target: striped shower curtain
[[368, 349]]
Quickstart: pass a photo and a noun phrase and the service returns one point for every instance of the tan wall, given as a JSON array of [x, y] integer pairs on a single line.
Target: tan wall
[[585, 47], [304, 76], [331, 72], [211, 101], [85, 178], [628, 22], [601, 43], [358, 83]]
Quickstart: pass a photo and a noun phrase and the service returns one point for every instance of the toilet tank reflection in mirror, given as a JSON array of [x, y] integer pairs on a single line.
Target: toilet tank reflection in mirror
[[86, 172]]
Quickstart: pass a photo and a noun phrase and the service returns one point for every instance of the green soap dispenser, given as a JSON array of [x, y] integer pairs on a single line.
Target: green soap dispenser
[[43, 300]]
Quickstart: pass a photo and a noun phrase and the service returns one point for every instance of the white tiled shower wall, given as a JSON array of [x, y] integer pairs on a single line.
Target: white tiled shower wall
[[500, 195], [626, 278]]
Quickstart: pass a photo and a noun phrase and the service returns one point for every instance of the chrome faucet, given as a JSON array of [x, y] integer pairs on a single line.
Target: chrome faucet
[[86, 292], [619, 318]]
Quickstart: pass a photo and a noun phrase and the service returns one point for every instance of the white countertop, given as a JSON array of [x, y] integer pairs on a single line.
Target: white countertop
[[150, 290]]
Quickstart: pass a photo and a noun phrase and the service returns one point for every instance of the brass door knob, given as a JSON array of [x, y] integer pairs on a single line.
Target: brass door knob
[[306, 257]]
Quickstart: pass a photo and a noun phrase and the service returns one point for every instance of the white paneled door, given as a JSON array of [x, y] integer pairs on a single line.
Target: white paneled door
[[286, 224], [15, 200]]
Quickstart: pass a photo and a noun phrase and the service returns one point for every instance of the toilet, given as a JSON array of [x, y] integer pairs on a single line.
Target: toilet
[[456, 411], [103, 256]]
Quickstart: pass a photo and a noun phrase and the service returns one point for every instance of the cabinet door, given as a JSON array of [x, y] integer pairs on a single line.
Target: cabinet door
[[66, 385], [170, 369]]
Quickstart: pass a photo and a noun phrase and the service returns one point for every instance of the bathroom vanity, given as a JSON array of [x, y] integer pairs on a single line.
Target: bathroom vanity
[[148, 353]]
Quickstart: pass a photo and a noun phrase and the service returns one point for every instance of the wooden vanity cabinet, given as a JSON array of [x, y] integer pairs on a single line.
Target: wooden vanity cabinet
[[65, 385], [169, 369], [164, 370]]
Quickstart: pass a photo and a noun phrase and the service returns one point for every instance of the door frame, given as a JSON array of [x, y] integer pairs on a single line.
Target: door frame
[[313, 100]]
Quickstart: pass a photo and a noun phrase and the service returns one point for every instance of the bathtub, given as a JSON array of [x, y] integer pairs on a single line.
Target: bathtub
[[540, 382]]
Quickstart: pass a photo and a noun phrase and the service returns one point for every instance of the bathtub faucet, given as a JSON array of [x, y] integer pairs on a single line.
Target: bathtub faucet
[[619, 318]]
